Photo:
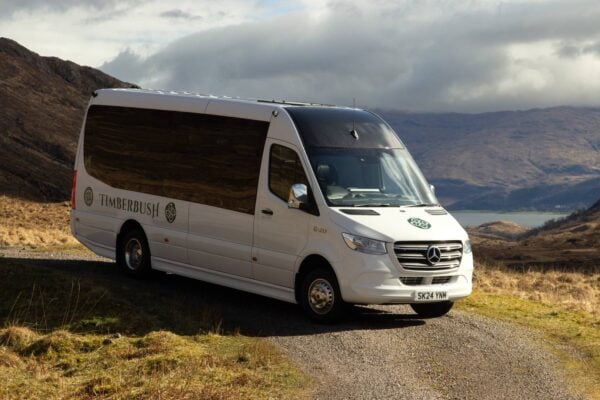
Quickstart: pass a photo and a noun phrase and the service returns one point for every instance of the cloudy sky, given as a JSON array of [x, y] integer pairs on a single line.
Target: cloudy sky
[[426, 55]]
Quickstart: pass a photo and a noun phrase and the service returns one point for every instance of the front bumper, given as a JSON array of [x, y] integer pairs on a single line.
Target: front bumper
[[376, 280]]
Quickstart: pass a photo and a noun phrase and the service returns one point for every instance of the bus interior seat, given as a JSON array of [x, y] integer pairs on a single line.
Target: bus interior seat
[[328, 180]]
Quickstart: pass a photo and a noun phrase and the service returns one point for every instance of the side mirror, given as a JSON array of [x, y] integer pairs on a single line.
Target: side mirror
[[298, 197], [432, 188]]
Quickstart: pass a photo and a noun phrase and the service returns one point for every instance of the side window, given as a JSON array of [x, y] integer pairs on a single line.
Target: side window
[[205, 159], [226, 161], [285, 169]]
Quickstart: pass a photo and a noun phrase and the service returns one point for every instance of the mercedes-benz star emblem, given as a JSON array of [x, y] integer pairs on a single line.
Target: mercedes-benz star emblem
[[434, 255]]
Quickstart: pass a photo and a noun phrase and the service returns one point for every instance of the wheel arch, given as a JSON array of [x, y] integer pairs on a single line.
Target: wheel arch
[[309, 263], [126, 227]]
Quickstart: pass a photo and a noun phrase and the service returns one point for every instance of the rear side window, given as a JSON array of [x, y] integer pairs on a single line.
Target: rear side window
[[200, 158], [285, 169]]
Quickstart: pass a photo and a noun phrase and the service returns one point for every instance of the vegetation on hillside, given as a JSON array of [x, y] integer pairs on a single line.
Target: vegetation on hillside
[[576, 220], [570, 243], [42, 104]]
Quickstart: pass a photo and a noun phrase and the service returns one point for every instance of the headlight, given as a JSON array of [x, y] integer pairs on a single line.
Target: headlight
[[364, 245], [467, 246]]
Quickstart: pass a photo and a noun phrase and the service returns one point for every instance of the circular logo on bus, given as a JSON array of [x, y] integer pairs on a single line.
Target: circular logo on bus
[[419, 223], [170, 212], [88, 196]]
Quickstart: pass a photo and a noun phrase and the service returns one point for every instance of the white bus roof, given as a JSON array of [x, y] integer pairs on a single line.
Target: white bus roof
[[193, 102]]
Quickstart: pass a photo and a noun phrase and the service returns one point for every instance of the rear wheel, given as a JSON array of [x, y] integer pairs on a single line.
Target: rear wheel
[[320, 296], [432, 310], [133, 255]]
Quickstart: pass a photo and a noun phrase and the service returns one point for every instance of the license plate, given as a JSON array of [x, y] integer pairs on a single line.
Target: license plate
[[430, 295]]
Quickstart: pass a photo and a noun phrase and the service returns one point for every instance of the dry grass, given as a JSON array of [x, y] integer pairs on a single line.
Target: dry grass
[[71, 334], [157, 365], [35, 225], [572, 291]]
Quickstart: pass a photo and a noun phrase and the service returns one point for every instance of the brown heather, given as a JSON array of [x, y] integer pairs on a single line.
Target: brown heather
[[570, 290]]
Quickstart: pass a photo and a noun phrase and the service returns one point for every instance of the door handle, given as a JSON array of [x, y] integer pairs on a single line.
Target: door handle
[[267, 211]]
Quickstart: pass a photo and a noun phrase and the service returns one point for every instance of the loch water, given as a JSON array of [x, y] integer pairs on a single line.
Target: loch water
[[527, 219]]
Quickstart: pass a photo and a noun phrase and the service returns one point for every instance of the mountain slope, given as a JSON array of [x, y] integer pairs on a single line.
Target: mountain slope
[[581, 227], [42, 101], [540, 158], [571, 243]]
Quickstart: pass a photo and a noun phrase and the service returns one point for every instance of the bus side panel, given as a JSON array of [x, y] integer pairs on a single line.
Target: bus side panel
[[102, 210]]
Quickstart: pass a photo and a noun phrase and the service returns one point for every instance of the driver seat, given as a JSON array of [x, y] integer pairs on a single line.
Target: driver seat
[[327, 177]]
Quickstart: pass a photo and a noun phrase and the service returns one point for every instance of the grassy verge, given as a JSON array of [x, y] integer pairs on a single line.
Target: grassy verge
[[568, 289], [562, 311], [75, 334], [34, 225]]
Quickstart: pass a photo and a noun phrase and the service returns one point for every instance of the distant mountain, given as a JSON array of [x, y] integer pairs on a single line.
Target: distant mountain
[[535, 159], [42, 102]]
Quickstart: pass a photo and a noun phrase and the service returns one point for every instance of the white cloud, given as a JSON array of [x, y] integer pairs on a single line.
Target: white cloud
[[429, 55], [92, 32]]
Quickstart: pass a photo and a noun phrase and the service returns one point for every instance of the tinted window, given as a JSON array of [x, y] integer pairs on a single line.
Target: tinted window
[[332, 127], [384, 177], [285, 169], [201, 158]]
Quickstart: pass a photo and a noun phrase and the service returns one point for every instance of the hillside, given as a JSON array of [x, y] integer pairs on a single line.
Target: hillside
[[535, 159], [581, 227], [569, 243], [42, 101]]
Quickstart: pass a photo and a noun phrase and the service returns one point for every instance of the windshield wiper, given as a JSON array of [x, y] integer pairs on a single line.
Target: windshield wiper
[[423, 205], [374, 205]]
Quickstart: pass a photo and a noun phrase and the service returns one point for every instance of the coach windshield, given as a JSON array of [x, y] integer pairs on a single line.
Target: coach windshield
[[358, 159]]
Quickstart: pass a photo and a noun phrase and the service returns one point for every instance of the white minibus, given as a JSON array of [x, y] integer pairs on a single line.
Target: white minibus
[[311, 204]]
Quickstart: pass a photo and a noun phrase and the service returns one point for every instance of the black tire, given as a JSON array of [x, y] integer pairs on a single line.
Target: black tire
[[325, 305], [432, 310], [133, 253]]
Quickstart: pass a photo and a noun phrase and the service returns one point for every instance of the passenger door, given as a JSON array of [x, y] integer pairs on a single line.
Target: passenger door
[[227, 163], [280, 233]]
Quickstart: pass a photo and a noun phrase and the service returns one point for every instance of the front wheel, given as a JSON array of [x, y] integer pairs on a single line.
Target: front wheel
[[320, 296], [432, 310], [133, 254]]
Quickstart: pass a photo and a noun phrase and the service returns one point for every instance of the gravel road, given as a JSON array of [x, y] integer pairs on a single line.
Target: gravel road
[[380, 352]]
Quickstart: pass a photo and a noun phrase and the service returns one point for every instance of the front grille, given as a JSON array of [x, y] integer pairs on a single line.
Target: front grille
[[421, 280], [411, 280], [440, 280], [413, 255]]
